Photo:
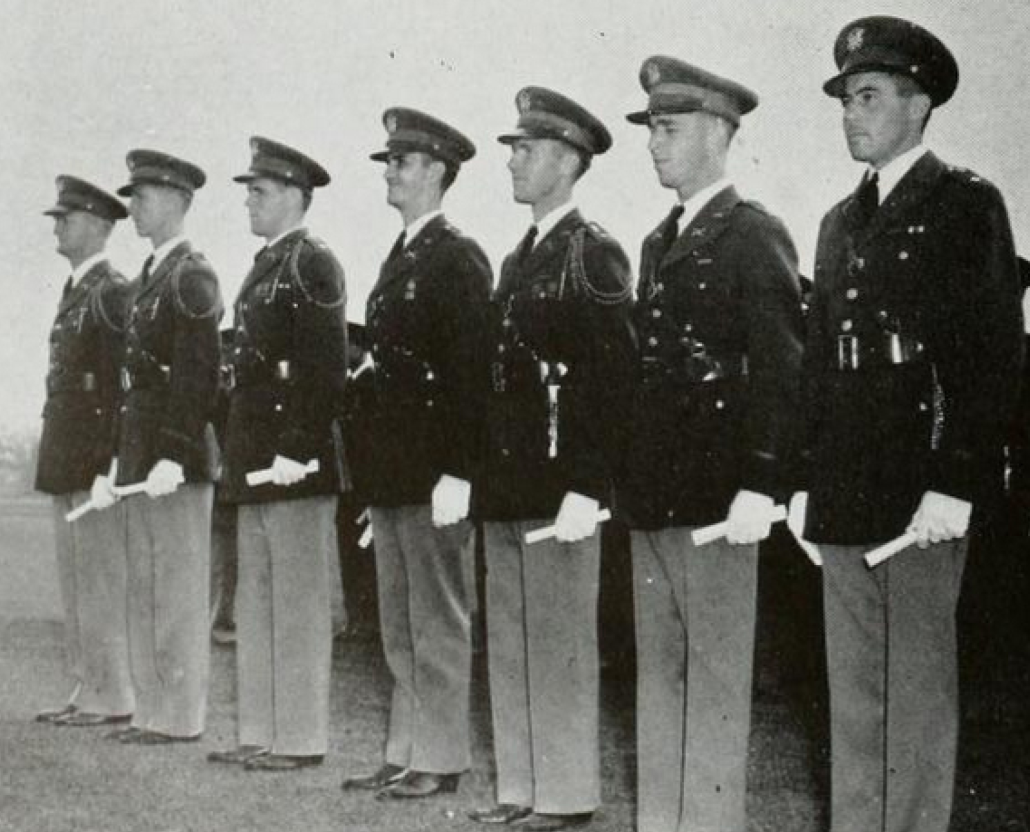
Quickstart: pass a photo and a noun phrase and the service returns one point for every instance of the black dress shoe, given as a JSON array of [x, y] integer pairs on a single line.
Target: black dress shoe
[[501, 813], [375, 781], [50, 717], [415, 784], [142, 737], [120, 734], [282, 762], [238, 755], [85, 719], [540, 822]]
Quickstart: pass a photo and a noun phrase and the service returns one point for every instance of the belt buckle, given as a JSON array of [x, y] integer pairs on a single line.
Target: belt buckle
[[229, 376], [847, 352], [125, 377]]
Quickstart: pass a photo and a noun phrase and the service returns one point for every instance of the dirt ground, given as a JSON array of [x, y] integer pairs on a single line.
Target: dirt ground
[[72, 780]]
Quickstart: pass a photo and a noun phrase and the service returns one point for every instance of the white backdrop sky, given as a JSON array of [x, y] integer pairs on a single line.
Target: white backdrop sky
[[81, 83]]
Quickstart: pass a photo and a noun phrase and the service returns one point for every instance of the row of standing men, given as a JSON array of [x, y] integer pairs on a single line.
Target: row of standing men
[[543, 401]]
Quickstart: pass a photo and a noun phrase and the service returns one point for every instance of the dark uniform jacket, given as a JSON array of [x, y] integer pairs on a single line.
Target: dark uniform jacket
[[86, 345], [425, 320], [566, 305], [288, 370], [923, 306], [719, 328], [170, 372]]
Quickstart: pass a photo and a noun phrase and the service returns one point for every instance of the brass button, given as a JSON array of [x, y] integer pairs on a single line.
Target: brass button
[[852, 293], [846, 325]]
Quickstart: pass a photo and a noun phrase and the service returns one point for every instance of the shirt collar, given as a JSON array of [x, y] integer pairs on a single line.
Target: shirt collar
[[412, 231], [894, 170], [692, 207], [286, 233], [86, 265], [162, 251], [547, 223]]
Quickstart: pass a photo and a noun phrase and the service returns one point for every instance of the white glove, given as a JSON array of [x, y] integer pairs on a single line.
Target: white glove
[[286, 471], [164, 478], [940, 518], [102, 493], [577, 518], [450, 500], [749, 519], [796, 523]]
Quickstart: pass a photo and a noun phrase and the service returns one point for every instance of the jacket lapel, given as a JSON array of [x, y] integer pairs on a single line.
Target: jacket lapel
[[166, 268], [269, 260], [554, 244], [913, 188], [82, 288], [399, 266], [709, 223]]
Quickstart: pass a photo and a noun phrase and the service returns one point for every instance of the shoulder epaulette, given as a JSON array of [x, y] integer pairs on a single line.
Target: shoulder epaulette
[[336, 297], [195, 263]]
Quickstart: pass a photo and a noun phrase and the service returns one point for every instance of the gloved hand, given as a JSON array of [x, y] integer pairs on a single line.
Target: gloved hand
[[577, 518], [164, 478], [940, 518], [450, 500], [749, 519], [286, 471], [102, 493]]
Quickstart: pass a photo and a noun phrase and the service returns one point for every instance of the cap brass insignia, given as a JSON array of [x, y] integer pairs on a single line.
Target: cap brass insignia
[[856, 37], [654, 74], [391, 124], [524, 102]]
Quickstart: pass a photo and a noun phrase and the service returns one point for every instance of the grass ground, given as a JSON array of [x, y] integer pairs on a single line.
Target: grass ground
[[72, 780]]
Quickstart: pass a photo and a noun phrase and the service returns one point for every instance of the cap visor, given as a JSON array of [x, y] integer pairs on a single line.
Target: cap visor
[[125, 190], [57, 211], [639, 117], [835, 86], [380, 156], [244, 177]]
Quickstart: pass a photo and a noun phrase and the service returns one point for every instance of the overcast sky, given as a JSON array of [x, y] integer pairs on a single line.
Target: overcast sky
[[81, 83]]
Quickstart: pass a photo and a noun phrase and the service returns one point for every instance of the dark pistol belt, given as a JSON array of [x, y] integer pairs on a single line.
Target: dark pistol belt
[[71, 383], [696, 370], [253, 373], [889, 349], [155, 376]]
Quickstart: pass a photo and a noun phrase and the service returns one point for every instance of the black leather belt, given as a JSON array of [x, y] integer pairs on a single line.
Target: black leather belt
[[157, 376], [695, 370], [253, 374], [890, 349], [74, 383]]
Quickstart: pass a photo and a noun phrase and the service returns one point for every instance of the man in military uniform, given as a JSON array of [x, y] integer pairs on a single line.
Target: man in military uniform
[[166, 447], [719, 326], [912, 365], [288, 369], [425, 319], [86, 343], [561, 351]]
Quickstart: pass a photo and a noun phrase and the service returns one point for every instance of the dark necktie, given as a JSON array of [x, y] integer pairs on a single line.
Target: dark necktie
[[868, 199], [147, 264], [670, 229], [526, 246]]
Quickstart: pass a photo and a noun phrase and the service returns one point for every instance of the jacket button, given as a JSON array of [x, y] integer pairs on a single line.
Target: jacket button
[[846, 325], [505, 452], [719, 404], [652, 341], [702, 286], [656, 313], [851, 294], [688, 327], [903, 255]]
